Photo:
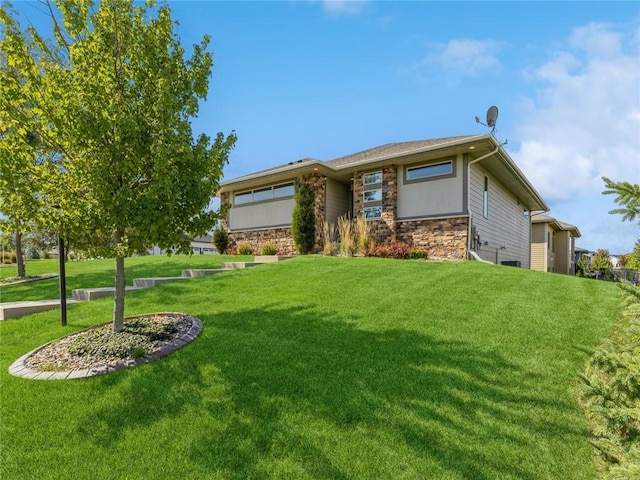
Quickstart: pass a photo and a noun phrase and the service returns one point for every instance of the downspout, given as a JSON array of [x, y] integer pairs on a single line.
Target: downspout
[[469, 192]]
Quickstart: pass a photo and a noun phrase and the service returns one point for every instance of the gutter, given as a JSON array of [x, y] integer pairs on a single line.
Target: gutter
[[469, 192]]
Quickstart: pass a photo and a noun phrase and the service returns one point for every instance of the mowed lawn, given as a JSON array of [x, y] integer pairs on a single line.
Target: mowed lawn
[[324, 368]]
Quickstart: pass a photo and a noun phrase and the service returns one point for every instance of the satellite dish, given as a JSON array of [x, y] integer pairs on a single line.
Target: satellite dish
[[492, 116]]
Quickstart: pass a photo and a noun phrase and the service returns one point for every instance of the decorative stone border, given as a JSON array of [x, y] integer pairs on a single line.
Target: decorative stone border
[[20, 369]]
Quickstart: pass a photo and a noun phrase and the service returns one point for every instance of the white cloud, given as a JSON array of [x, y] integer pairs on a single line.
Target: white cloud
[[463, 56], [344, 7], [583, 124], [585, 120]]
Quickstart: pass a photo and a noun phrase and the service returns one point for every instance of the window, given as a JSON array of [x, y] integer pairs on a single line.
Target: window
[[244, 197], [427, 171], [372, 195], [264, 194], [286, 190], [373, 177], [485, 198], [371, 213]]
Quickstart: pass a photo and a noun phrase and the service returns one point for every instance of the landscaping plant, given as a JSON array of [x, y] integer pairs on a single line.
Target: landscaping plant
[[303, 221]]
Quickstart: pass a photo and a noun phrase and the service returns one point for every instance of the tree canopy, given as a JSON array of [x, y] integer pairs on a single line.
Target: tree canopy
[[110, 99]]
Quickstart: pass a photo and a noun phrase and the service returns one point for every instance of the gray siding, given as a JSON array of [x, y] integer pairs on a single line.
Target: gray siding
[[338, 200], [431, 198], [273, 213], [506, 230]]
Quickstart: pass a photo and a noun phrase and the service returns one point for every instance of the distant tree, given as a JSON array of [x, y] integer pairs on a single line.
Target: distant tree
[[628, 196], [303, 222], [601, 261], [112, 95], [632, 260]]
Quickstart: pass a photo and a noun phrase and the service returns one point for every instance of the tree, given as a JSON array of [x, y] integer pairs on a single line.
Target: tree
[[220, 240], [303, 221], [601, 261], [628, 196], [632, 260], [114, 101]]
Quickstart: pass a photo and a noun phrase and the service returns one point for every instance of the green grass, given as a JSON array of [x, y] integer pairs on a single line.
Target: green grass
[[100, 273], [332, 368]]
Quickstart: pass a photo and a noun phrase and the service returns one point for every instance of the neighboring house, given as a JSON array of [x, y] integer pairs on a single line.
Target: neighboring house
[[553, 247], [450, 195], [200, 245], [203, 245]]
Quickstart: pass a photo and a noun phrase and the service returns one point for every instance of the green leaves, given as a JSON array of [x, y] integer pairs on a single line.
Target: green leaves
[[109, 99]]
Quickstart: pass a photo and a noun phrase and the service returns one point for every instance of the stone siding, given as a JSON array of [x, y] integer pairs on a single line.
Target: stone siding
[[443, 238], [280, 237], [319, 185]]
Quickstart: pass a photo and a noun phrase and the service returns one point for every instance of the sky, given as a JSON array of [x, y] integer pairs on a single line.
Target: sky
[[324, 79]]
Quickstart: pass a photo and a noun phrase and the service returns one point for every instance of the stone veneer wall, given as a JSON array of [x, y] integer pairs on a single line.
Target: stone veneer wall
[[281, 236], [444, 238], [385, 228]]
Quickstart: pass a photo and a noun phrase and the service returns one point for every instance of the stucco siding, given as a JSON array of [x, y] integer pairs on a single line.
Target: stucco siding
[[338, 199], [433, 197], [274, 213], [505, 232]]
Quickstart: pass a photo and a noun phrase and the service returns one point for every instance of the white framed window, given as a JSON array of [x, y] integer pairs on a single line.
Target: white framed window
[[372, 195], [372, 178], [372, 213], [264, 194]]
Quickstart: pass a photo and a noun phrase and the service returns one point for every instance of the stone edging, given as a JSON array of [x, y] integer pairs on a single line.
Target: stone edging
[[20, 369]]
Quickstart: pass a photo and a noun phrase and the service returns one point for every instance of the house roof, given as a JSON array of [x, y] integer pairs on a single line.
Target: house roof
[[483, 148], [556, 224]]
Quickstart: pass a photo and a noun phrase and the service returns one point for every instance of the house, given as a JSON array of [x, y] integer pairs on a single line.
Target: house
[[456, 196], [202, 244], [553, 247]]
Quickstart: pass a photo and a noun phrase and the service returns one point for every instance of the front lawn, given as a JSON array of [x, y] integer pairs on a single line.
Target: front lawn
[[330, 368]]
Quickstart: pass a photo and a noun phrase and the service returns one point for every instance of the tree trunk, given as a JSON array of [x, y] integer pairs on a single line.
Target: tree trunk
[[118, 310], [19, 255]]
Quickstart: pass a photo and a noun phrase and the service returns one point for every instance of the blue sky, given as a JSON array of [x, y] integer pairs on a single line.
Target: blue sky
[[324, 79]]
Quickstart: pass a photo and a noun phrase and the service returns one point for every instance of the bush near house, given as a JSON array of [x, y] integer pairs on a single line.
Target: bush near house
[[398, 250], [8, 257], [244, 248], [220, 240], [268, 248]]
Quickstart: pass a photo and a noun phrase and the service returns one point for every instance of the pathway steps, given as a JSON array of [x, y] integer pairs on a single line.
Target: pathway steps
[[9, 310]]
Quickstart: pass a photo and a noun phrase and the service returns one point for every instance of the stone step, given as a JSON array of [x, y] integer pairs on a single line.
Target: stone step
[[84, 294], [235, 265], [18, 309], [270, 258], [153, 281], [203, 271]]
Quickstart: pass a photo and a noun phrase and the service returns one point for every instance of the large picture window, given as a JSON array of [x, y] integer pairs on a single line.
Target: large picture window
[[264, 194]]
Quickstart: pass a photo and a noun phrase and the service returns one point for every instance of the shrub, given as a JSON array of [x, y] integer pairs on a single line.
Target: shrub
[[220, 240], [345, 232], [268, 248], [611, 393], [329, 246], [244, 248], [303, 221], [9, 257], [363, 232], [398, 250]]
